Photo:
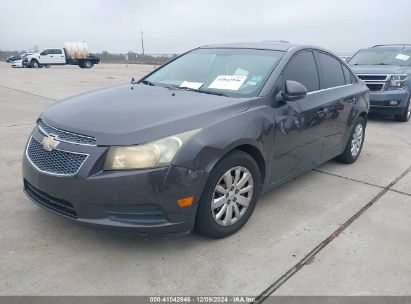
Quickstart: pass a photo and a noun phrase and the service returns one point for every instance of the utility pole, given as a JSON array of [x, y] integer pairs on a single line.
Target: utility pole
[[142, 41]]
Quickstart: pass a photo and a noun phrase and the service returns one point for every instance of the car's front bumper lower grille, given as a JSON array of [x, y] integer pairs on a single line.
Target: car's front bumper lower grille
[[49, 202], [56, 162]]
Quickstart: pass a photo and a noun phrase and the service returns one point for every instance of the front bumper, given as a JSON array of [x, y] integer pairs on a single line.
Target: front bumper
[[380, 101], [144, 201]]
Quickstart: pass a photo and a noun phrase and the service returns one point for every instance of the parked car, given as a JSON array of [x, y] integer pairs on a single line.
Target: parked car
[[74, 53], [20, 63], [386, 70], [13, 58], [196, 141], [17, 64]]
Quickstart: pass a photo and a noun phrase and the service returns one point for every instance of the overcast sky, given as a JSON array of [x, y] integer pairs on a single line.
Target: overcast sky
[[172, 26]]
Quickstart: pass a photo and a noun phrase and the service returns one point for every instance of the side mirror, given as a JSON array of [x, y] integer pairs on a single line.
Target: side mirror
[[294, 91]]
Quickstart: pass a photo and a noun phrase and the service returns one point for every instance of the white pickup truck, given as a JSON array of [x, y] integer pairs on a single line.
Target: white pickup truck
[[75, 53]]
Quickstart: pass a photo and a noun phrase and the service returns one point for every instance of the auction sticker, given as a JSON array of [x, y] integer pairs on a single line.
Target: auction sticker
[[402, 57], [227, 82]]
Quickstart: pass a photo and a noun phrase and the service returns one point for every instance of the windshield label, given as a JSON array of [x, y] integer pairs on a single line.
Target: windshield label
[[402, 57], [228, 82], [191, 85]]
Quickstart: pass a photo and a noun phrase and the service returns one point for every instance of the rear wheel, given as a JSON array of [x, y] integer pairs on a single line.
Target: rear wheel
[[87, 64], [230, 196], [406, 115], [34, 64], [355, 142]]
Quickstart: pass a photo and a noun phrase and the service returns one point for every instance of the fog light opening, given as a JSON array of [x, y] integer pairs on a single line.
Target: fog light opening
[[185, 202], [393, 102]]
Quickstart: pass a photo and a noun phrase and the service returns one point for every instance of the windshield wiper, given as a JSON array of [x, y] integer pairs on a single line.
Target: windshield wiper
[[199, 91], [147, 82]]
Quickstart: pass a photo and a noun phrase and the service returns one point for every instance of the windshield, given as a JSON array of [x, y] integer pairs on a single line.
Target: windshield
[[231, 72], [382, 57]]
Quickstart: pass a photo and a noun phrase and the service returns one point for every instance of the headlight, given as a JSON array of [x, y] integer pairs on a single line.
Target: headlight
[[155, 154], [398, 81]]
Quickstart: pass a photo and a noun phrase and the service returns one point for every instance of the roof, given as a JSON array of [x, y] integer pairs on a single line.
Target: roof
[[265, 45], [403, 46]]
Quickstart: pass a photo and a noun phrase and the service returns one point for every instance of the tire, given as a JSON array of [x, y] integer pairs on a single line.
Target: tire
[[81, 65], [34, 64], [355, 142], [215, 222], [88, 64], [406, 115]]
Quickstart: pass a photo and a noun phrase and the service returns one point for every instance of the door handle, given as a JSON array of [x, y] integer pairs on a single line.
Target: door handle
[[51, 56], [322, 112]]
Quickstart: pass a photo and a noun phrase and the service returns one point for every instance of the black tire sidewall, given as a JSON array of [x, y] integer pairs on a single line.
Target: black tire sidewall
[[404, 116], [205, 222], [35, 64]]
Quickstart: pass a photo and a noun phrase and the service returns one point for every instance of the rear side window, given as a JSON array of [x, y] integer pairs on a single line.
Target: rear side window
[[349, 77], [332, 72], [56, 51], [302, 68]]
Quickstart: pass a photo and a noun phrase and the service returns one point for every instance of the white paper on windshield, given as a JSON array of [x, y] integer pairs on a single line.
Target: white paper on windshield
[[191, 85], [402, 57], [227, 82]]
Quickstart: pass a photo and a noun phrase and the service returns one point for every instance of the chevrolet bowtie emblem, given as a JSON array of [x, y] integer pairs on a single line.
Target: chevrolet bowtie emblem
[[49, 143]]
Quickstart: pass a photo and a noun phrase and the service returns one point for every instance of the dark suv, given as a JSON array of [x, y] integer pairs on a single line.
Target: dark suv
[[386, 70]]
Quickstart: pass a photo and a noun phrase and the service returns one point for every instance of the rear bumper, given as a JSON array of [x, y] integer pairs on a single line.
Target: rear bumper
[[380, 101], [144, 201]]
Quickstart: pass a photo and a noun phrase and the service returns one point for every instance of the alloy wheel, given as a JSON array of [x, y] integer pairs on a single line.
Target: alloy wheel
[[232, 196], [357, 139]]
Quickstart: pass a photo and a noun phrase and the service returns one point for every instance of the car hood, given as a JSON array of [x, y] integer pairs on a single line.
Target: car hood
[[379, 69], [135, 114]]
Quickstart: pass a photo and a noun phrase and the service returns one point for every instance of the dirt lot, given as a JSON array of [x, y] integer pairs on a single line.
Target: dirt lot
[[368, 204]]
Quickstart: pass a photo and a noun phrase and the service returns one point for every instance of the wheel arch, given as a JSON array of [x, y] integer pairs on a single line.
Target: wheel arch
[[248, 147]]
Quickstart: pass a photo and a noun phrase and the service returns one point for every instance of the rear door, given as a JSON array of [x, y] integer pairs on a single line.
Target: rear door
[[336, 89], [299, 124], [59, 56]]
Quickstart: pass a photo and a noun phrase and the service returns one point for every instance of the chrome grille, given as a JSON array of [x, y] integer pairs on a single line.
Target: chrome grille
[[65, 136], [375, 82], [57, 162], [377, 77]]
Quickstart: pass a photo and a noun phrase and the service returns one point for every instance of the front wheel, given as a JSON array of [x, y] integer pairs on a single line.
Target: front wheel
[[230, 196], [355, 142], [406, 115], [34, 64]]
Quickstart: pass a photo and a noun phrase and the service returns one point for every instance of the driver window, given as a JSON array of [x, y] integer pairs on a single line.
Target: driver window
[[302, 68]]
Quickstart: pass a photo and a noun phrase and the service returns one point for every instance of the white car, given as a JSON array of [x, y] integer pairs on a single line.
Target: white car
[[17, 64]]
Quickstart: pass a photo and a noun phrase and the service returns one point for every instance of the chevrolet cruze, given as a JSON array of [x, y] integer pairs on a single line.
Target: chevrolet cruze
[[194, 143]]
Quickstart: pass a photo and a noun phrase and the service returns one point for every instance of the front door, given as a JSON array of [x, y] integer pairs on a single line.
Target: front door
[[46, 57], [300, 125]]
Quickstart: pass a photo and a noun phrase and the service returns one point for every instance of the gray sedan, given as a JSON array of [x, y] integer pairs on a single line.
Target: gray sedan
[[194, 143]]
